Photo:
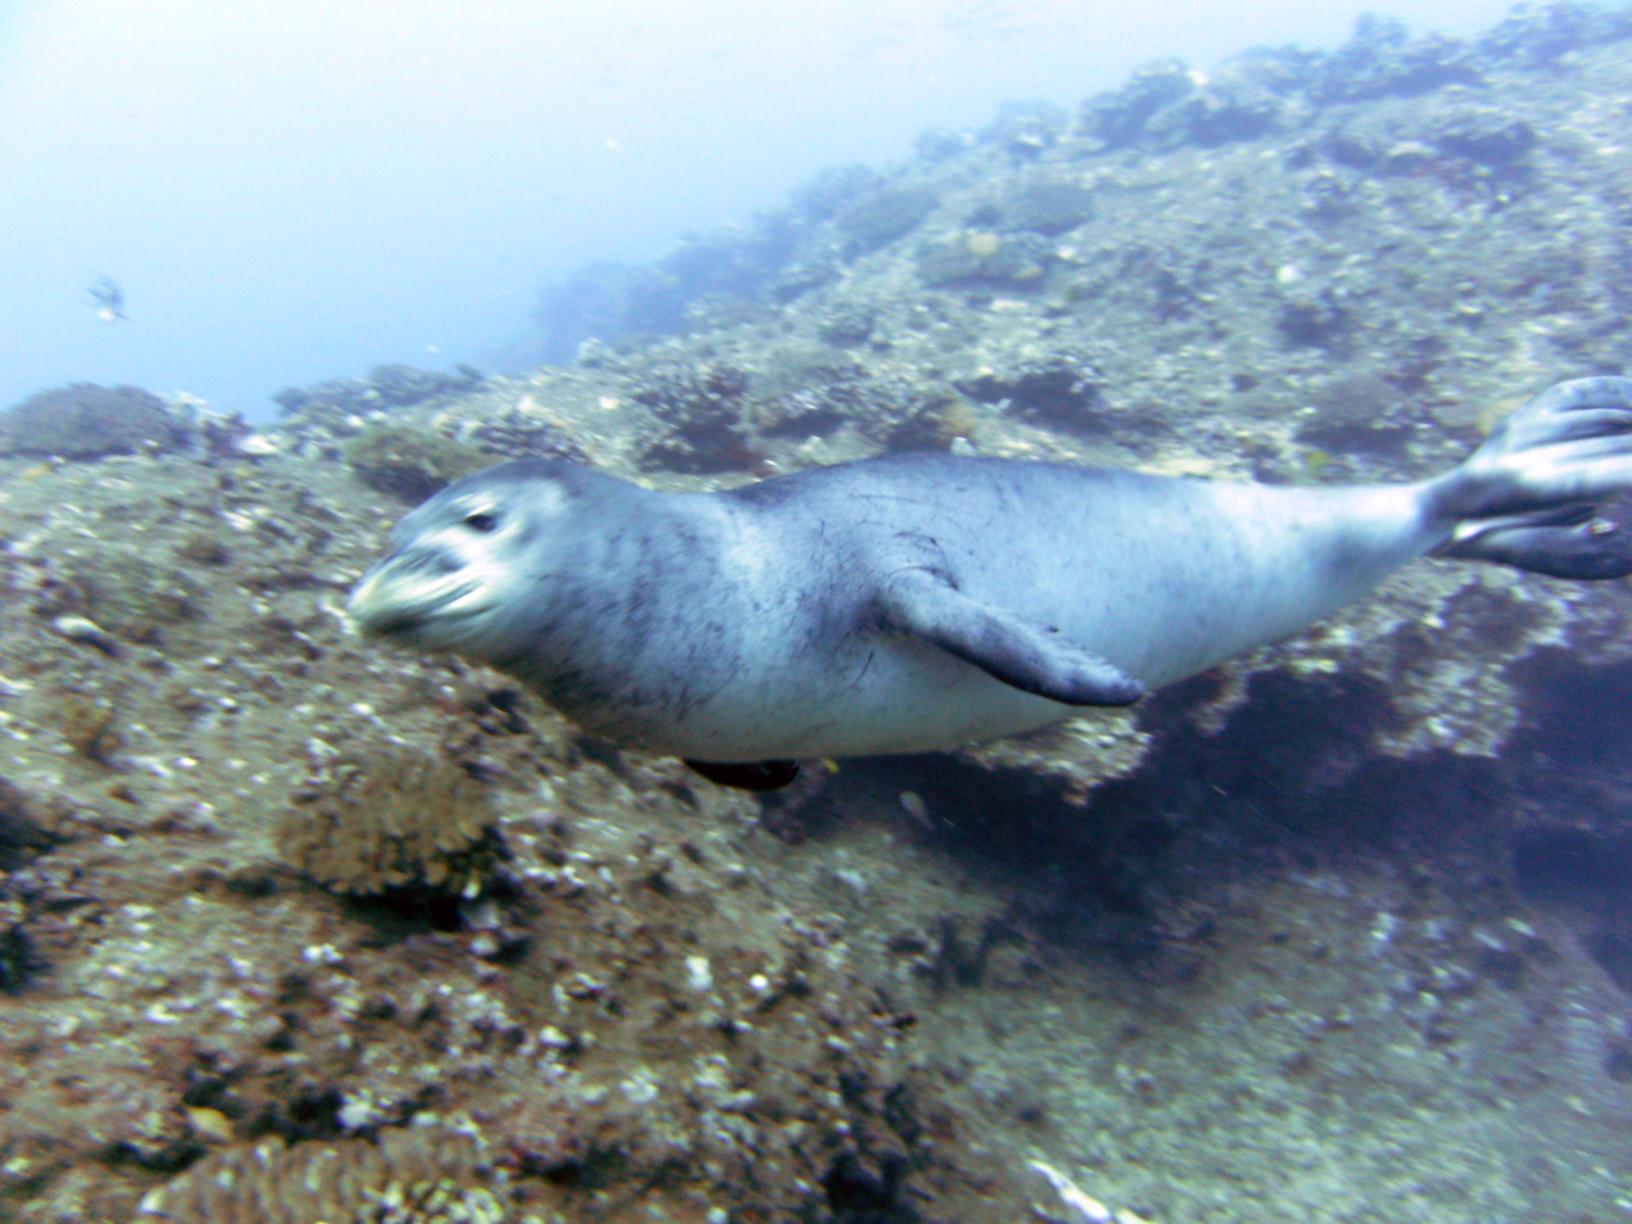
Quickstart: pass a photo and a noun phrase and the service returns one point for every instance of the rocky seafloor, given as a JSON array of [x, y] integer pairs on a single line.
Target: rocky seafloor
[[294, 927]]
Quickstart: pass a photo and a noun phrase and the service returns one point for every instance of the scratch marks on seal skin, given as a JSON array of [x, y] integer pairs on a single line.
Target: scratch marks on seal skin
[[866, 666], [700, 659]]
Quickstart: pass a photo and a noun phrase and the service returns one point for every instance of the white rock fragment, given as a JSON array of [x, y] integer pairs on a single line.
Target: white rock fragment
[[359, 1112], [552, 1038], [1088, 1209], [83, 629], [851, 879], [641, 1087], [256, 446], [699, 974]]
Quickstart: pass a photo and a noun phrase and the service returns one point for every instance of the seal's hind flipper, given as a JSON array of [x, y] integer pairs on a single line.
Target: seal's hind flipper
[[1572, 443], [747, 775], [1030, 657], [1583, 542], [1547, 490]]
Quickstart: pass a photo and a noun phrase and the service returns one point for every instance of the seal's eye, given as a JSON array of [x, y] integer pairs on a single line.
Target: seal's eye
[[480, 520]]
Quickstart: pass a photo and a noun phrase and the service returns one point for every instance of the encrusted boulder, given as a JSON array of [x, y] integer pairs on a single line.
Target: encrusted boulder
[[87, 421]]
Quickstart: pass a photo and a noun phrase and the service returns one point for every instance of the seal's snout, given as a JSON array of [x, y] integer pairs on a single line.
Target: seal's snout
[[401, 589], [366, 609], [416, 592]]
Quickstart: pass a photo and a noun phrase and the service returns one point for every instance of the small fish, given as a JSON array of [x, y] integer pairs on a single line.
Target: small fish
[[110, 300]]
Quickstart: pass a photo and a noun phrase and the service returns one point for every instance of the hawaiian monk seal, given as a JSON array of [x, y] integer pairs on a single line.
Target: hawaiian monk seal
[[923, 601]]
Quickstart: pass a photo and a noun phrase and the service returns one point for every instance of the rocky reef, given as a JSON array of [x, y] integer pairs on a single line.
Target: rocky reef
[[86, 421], [296, 927]]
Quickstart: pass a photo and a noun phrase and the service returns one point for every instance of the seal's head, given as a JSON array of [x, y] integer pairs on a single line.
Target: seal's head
[[461, 567]]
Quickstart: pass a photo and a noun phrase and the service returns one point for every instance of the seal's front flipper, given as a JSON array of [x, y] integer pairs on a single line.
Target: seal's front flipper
[[747, 775], [1027, 656]]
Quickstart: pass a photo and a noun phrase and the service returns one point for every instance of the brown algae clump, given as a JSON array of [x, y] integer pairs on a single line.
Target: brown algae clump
[[418, 1174], [396, 818], [90, 725]]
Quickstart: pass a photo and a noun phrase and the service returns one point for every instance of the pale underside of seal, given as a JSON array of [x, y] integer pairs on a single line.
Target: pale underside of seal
[[920, 602]]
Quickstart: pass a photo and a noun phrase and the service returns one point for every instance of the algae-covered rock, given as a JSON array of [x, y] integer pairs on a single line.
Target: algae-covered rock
[[1026, 130], [831, 190], [701, 412], [400, 385], [407, 1174], [982, 258], [396, 818], [884, 215], [1221, 114], [387, 386], [1049, 206], [1118, 117], [1533, 35], [127, 593], [1485, 134], [1062, 390], [410, 464], [87, 421], [846, 323], [1382, 60]]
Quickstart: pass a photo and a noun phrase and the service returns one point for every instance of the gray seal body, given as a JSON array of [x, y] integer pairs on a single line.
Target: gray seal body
[[923, 601]]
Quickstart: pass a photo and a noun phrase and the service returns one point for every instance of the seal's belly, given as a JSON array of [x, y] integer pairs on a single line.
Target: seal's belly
[[885, 694]]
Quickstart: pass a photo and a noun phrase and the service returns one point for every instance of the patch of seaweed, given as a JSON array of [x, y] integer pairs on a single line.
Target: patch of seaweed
[[394, 819]]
